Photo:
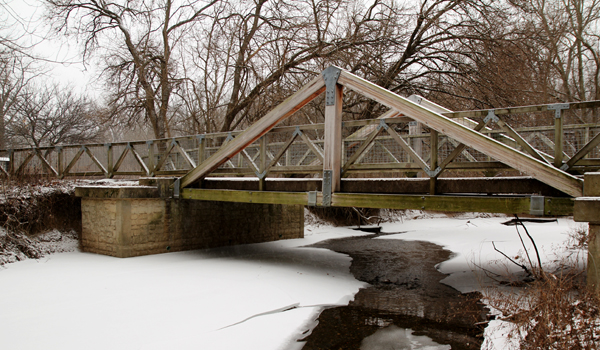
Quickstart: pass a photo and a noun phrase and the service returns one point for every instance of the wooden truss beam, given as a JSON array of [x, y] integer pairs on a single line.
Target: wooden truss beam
[[288, 107], [517, 160]]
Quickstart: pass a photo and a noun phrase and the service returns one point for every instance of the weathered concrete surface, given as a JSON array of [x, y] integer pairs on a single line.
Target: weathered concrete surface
[[133, 221]]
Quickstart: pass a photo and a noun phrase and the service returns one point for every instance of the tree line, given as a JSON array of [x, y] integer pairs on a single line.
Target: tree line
[[178, 67]]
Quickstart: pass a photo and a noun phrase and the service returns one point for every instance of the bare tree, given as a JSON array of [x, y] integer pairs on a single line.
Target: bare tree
[[53, 116], [137, 40]]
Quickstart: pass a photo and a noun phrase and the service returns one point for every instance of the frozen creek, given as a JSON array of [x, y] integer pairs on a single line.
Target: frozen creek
[[234, 297]]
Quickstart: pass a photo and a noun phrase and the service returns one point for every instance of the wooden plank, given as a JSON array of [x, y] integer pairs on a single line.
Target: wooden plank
[[517, 160], [140, 161], [332, 158], [411, 153], [280, 154], [150, 145], [264, 197], [521, 141], [558, 140], [95, 160], [361, 149], [433, 161], [120, 160], [164, 157], [109, 157], [312, 147], [458, 150], [74, 161], [251, 163], [482, 204], [258, 129], [26, 161], [185, 155], [582, 152], [46, 164]]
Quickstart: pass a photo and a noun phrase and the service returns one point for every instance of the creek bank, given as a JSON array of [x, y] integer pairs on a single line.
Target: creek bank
[[405, 291]]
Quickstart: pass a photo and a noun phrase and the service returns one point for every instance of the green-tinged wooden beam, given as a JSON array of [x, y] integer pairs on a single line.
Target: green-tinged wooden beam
[[263, 197], [483, 204]]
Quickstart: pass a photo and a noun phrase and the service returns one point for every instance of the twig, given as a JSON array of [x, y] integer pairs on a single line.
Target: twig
[[537, 253], [511, 260]]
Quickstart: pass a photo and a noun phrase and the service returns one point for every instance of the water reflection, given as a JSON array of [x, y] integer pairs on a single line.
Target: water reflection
[[396, 338], [406, 306]]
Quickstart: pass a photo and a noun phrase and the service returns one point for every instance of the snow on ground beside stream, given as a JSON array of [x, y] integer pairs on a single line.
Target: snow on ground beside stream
[[232, 297], [470, 237], [185, 300]]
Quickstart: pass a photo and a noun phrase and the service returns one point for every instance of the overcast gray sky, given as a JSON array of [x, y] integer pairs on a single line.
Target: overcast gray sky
[[23, 21]]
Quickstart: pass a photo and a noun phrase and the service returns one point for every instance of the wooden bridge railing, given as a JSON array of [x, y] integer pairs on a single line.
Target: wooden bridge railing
[[403, 140]]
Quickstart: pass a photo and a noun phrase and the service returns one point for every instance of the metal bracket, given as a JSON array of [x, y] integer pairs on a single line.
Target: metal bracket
[[261, 175], [536, 205], [382, 124], [297, 132], [326, 188], [491, 116], [200, 138], [416, 99], [176, 187], [434, 173], [150, 142], [58, 149], [129, 146], [564, 167], [312, 198], [173, 142], [83, 148], [331, 75], [229, 137], [558, 108]]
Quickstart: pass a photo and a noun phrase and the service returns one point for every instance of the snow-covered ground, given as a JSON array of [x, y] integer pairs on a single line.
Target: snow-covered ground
[[227, 298], [470, 237]]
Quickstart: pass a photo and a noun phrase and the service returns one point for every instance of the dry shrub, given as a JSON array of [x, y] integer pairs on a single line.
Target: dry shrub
[[556, 310], [559, 312], [39, 205]]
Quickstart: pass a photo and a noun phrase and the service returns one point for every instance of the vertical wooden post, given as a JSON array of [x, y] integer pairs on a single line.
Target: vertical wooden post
[[59, 162], [110, 162], [434, 159], [416, 128], [201, 148], [587, 209], [558, 132], [332, 159], [150, 144], [586, 139], [11, 162], [558, 139], [263, 163]]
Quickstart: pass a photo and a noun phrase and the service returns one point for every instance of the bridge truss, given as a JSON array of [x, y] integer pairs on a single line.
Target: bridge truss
[[365, 163]]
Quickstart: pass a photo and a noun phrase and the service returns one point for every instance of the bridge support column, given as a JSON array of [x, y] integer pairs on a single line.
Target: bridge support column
[[587, 209], [134, 221]]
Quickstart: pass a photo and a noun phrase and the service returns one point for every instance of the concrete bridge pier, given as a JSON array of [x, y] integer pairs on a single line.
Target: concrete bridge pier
[[126, 221], [587, 209]]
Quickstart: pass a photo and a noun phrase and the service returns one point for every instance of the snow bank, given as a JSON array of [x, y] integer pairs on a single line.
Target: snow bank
[[226, 298], [470, 237]]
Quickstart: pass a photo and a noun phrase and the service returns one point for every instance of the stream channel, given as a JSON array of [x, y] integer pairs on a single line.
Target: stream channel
[[405, 306]]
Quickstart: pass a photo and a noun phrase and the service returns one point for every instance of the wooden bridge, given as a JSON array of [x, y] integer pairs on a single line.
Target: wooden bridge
[[418, 155]]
